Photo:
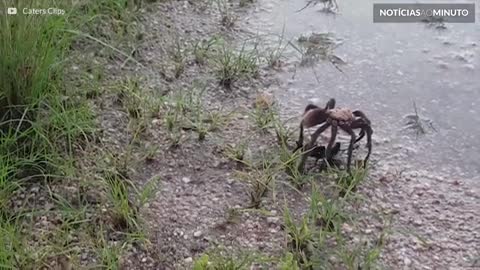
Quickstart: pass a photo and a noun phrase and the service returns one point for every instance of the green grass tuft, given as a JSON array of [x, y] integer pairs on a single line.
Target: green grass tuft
[[231, 65]]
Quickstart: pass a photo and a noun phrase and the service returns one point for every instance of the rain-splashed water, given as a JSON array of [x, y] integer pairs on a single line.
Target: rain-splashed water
[[389, 66]]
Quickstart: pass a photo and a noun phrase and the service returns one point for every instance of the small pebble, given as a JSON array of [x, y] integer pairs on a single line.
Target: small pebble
[[197, 234], [272, 220]]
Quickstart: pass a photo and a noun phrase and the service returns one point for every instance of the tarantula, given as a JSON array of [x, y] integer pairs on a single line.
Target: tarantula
[[334, 117]]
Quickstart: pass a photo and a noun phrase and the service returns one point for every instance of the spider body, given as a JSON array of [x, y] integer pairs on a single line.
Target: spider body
[[336, 118], [341, 115]]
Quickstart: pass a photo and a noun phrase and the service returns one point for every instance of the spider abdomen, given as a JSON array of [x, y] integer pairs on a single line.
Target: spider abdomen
[[314, 117]]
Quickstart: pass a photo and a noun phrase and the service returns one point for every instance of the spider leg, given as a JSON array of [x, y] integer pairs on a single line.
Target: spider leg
[[362, 115], [318, 152], [300, 139], [335, 149], [360, 135], [369, 145], [333, 136], [330, 104], [363, 119], [310, 145], [349, 130], [366, 129]]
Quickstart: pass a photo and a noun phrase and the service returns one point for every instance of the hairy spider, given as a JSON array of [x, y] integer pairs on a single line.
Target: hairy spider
[[335, 118]]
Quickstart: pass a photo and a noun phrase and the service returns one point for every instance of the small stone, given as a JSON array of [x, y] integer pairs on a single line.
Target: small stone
[[272, 230], [186, 180], [188, 260], [417, 222], [346, 228], [272, 220], [197, 234]]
